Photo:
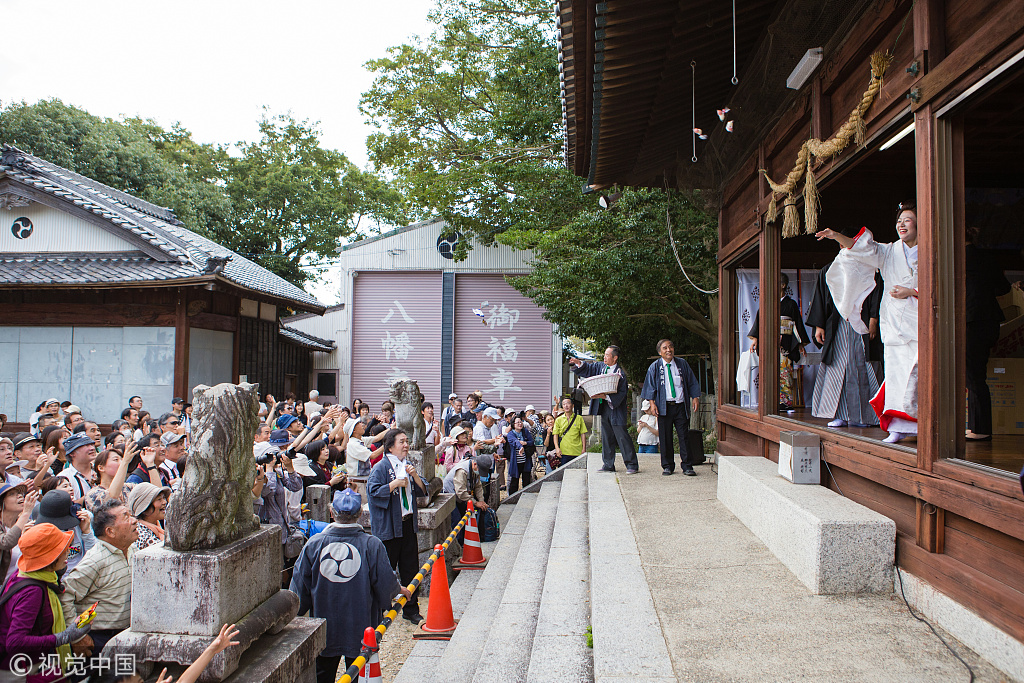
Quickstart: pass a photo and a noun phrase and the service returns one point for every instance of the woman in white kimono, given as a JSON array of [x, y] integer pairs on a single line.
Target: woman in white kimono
[[851, 279]]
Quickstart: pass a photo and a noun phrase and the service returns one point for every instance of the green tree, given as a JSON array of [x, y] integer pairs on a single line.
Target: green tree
[[136, 156], [471, 120], [293, 198], [612, 276]]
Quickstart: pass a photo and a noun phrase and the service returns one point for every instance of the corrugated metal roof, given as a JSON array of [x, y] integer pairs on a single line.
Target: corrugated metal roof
[[163, 238]]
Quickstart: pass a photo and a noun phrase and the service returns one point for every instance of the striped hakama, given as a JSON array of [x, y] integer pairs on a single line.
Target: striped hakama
[[843, 388]]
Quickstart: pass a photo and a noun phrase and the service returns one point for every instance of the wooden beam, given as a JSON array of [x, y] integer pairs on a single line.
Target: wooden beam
[[1002, 35], [181, 342], [93, 315], [930, 31], [212, 321]]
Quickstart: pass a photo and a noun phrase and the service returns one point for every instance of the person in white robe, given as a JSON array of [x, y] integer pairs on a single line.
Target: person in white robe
[[851, 280]]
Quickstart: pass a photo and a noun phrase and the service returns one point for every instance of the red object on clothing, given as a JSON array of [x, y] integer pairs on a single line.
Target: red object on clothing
[[885, 417]]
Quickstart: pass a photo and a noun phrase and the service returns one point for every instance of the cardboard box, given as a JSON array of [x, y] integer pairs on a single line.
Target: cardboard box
[[1005, 378], [1011, 330]]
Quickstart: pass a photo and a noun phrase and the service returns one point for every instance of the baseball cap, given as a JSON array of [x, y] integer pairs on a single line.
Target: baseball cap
[[177, 399], [529, 408], [167, 438], [492, 412], [42, 544], [347, 502], [453, 395], [280, 437], [645, 406], [76, 441], [484, 463], [72, 409], [22, 438]]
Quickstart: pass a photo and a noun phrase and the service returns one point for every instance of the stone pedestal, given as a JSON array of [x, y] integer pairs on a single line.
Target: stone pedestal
[[424, 461], [180, 601], [318, 497], [194, 593]]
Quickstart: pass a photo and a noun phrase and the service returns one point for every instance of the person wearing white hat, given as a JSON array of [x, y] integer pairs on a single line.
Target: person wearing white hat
[[460, 449], [647, 429]]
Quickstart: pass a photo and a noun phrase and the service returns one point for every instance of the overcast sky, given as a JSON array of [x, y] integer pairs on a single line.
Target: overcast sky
[[209, 64]]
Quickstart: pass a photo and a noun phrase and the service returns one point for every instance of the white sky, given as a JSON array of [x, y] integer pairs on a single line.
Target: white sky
[[210, 64]]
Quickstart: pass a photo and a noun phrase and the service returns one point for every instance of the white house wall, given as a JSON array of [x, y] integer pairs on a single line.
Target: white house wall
[[54, 231]]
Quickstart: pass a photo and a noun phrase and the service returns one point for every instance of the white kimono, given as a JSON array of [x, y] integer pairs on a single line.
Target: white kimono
[[851, 280]]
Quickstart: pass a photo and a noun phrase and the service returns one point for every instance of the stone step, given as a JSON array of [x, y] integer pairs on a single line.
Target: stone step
[[421, 663], [560, 653], [506, 654], [460, 657], [628, 641]]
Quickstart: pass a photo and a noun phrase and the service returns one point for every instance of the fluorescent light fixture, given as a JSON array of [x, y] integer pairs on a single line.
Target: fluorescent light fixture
[[896, 138], [808, 63]]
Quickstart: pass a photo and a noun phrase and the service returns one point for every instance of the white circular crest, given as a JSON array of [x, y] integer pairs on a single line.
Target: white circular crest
[[339, 562]]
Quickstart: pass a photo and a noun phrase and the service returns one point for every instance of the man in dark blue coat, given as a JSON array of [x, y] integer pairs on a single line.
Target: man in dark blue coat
[[343, 575], [613, 409], [669, 385]]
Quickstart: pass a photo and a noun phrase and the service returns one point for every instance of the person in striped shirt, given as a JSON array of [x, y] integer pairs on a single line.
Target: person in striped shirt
[[103, 575]]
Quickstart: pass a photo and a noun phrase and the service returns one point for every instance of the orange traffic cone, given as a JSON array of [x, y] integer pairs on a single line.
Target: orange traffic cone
[[370, 673], [440, 623], [472, 556]]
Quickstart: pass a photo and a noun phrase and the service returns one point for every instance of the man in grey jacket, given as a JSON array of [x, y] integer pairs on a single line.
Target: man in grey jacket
[[343, 575]]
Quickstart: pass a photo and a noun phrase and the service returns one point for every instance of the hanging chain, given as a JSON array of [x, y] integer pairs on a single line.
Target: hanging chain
[[693, 107], [735, 80]]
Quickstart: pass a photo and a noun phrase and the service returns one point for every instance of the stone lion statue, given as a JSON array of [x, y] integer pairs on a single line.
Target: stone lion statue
[[213, 506], [405, 394]]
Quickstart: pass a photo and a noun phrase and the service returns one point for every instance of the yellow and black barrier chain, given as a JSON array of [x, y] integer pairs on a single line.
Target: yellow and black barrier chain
[[352, 673]]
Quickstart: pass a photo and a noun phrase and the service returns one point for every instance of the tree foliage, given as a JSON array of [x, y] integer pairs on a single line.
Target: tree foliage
[[281, 201], [471, 119], [611, 276]]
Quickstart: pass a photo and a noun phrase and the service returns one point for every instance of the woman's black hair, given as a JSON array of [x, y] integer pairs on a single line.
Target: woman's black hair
[[312, 450], [390, 438], [910, 205]]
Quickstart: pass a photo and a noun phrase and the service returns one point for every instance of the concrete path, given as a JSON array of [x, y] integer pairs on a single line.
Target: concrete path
[[731, 612]]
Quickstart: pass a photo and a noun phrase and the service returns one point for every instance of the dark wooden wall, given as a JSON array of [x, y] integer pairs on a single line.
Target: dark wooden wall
[[266, 359], [957, 527]]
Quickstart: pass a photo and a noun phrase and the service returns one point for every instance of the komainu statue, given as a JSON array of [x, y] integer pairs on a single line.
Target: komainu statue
[[213, 506], [405, 394]]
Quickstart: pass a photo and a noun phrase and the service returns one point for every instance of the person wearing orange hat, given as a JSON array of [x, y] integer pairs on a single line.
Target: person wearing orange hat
[[31, 616]]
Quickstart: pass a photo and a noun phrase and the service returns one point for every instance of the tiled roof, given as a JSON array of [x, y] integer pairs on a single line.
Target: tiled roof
[[305, 339], [172, 251]]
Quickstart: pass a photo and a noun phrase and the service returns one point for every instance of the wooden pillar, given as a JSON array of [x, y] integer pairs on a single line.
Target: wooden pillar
[[236, 349], [930, 31], [768, 330], [181, 342]]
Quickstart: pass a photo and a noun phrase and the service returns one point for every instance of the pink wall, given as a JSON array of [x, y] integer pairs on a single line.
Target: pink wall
[[396, 332], [510, 348]]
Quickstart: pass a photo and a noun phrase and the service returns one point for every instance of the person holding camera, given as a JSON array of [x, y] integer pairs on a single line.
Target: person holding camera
[[271, 505]]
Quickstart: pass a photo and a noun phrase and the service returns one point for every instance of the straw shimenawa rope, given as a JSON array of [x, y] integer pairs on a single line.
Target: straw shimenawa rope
[[853, 128]]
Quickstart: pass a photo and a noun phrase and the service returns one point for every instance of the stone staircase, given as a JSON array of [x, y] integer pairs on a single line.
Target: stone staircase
[[566, 562]]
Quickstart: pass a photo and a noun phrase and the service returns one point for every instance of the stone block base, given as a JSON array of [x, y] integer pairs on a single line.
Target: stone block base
[[832, 544], [194, 593], [288, 656], [272, 616]]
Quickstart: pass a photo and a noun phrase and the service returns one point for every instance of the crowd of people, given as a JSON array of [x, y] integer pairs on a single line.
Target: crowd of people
[[77, 504]]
